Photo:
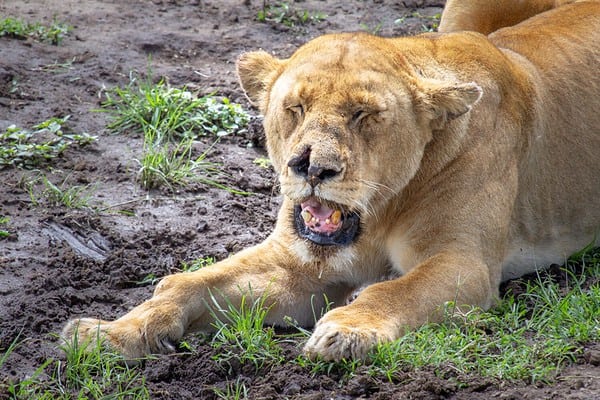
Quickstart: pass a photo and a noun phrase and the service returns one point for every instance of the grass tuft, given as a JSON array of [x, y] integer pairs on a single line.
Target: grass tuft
[[18, 29], [170, 120], [32, 148], [170, 113], [283, 13], [4, 220], [529, 337], [235, 390], [89, 371], [240, 333], [197, 264]]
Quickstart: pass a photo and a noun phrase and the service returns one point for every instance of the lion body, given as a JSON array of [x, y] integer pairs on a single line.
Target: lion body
[[449, 161]]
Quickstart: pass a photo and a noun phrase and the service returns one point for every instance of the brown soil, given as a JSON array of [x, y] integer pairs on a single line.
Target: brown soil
[[60, 263]]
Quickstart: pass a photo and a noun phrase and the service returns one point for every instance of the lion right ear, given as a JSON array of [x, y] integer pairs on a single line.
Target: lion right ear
[[257, 71], [440, 102]]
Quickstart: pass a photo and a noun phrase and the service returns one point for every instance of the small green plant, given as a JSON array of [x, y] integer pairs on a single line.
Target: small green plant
[[53, 33], [68, 196], [42, 190], [150, 279], [3, 232], [344, 368], [197, 264], [31, 148], [170, 120], [89, 371], [170, 113], [168, 164], [483, 343], [431, 24], [262, 162], [233, 391], [282, 13], [240, 332], [373, 30]]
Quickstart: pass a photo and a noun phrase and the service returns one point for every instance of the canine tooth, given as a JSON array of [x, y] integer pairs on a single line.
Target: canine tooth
[[336, 217], [306, 215], [327, 221]]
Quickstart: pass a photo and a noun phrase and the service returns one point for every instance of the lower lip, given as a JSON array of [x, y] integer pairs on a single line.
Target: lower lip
[[345, 236]]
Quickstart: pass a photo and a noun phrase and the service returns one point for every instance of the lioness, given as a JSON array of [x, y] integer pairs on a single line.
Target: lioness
[[453, 160]]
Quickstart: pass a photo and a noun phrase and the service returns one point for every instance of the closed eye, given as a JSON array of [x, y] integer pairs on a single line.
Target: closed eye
[[297, 109], [359, 116]]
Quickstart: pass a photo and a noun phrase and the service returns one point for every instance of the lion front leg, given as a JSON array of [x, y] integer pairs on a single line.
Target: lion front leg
[[383, 311], [181, 302], [154, 326]]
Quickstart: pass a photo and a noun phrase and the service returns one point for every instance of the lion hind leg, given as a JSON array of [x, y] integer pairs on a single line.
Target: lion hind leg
[[488, 16]]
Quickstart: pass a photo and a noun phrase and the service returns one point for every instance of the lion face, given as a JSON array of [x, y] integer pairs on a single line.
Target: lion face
[[346, 129]]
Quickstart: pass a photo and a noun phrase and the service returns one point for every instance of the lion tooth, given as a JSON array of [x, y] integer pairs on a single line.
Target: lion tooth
[[336, 217], [306, 215], [327, 221]]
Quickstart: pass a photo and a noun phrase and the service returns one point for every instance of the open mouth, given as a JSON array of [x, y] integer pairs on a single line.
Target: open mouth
[[325, 224]]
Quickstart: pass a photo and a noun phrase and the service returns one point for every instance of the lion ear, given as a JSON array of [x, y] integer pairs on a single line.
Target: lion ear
[[256, 71], [440, 102]]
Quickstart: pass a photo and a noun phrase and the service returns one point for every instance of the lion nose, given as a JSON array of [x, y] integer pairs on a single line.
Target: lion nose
[[313, 172]]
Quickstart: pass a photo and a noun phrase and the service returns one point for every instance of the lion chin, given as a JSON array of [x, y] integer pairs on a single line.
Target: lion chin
[[414, 172]]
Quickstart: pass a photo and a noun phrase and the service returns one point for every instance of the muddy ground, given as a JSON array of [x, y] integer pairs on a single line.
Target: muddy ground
[[59, 263]]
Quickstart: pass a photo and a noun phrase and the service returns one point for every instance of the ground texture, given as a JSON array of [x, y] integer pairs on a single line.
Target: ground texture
[[60, 263]]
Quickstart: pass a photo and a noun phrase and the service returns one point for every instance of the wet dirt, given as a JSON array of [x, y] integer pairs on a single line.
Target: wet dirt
[[60, 263]]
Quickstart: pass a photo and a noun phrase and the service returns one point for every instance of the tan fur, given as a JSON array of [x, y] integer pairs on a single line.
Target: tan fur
[[486, 16], [469, 158]]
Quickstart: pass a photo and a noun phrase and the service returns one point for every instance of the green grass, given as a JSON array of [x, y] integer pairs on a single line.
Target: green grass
[[88, 372], [3, 232], [373, 30], [528, 337], [16, 28], [171, 120], [42, 191], [431, 24], [262, 162], [76, 196], [241, 334], [38, 146], [168, 164], [197, 264], [170, 114], [235, 390], [283, 13]]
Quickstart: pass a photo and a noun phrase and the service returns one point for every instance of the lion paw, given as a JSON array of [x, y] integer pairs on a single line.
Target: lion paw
[[124, 337], [334, 341], [86, 332]]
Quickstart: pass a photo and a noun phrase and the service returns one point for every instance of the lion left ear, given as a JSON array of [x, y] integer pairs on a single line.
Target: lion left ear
[[257, 71], [440, 102]]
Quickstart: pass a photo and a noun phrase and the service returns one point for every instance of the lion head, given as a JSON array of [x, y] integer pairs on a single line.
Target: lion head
[[347, 120]]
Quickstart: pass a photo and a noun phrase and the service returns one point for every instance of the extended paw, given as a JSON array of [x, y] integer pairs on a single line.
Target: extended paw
[[89, 332], [154, 330], [336, 338]]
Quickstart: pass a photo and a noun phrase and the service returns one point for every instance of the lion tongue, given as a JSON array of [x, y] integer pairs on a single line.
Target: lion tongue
[[320, 218]]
